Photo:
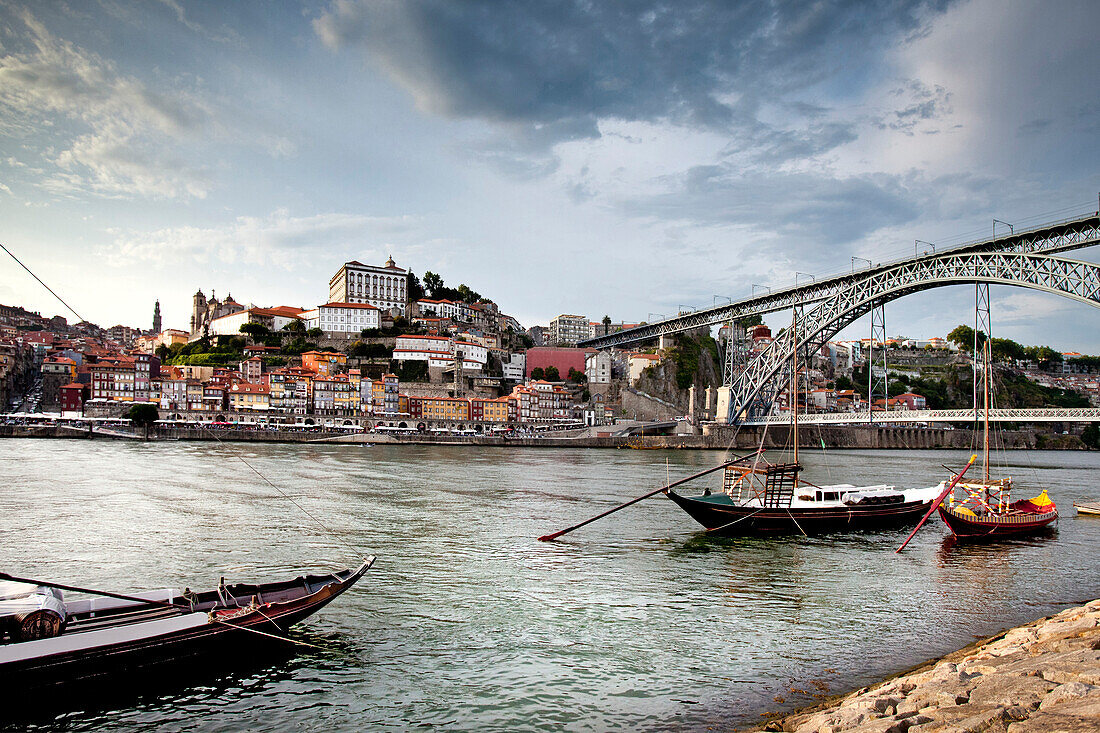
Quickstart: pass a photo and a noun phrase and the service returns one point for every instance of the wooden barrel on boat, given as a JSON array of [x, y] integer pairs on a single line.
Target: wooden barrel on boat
[[41, 623]]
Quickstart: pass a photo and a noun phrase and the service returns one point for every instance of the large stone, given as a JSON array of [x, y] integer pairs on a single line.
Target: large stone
[[1068, 691], [939, 693], [1004, 690], [1065, 629], [1078, 666], [1054, 723], [1082, 707]]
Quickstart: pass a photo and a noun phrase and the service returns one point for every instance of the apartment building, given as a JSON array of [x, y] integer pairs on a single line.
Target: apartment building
[[568, 329]]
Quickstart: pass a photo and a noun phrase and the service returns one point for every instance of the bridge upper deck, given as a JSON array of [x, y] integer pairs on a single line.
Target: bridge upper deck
[[1050, 238]]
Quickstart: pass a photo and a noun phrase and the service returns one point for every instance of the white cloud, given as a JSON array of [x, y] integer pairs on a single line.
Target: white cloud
[[122, 131], [279, 239]]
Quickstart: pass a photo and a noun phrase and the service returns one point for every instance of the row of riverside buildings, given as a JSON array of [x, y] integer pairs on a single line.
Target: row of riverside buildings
[[103, 380]]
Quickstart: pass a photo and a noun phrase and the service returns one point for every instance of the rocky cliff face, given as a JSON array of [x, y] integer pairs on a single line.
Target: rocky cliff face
[[694, 360]]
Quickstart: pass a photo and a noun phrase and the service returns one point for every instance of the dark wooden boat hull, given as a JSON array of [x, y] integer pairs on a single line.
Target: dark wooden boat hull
[[237, 631], [983, 528], [737, 520]]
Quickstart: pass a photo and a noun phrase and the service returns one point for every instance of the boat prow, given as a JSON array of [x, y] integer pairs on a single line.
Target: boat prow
[[103, 635], [1024, 517]]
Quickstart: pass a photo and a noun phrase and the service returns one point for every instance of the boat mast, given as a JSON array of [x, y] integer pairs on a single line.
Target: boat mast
[[794, 386], [985, 381]]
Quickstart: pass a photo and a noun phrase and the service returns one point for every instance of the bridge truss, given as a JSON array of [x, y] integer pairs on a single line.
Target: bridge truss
[[1020, 415], [1050, 239], [829, 305]]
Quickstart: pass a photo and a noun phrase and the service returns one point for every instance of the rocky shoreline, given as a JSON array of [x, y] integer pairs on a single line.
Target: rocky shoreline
[[1043, 677]]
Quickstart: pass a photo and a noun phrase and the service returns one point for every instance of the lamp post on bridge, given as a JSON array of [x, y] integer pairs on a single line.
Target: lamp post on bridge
[[864, 259], [921, 241], [716, 297], [755, 286], [805, 274]]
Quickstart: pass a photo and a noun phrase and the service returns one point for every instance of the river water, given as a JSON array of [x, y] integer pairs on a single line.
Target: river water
[[467, 622]]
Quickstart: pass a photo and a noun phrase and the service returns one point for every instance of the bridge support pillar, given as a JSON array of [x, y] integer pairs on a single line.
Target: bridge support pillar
[[724, 407]]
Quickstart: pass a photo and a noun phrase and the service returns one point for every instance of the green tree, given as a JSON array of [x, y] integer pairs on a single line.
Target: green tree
[[143, 415], [606, 325], [551, 374], [433, 282], [1044, 356], [315, 333], [295, 326], [163, 353], [1006, 350], [963, 337], [414, 289], [538, 373], [255, 330], [1091, 436], [466, 295], [577, 377], [843, 383]]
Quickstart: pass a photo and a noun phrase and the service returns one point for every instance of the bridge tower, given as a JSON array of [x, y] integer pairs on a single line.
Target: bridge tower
[[982, 325], [875, 384]]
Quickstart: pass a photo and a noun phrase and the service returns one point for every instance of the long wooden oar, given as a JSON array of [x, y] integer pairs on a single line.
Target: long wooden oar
[[666, 487], [937, 502]]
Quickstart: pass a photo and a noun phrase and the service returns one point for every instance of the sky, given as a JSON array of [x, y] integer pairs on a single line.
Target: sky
[[632, 159]]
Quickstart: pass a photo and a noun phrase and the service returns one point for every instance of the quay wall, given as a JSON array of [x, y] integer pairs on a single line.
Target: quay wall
[[865, 436], [715, 437]]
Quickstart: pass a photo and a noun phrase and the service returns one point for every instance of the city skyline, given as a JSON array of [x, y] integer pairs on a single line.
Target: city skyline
[[616, 159]]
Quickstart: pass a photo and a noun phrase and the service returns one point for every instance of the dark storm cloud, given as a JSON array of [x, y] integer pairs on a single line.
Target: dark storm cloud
[[558, 67]]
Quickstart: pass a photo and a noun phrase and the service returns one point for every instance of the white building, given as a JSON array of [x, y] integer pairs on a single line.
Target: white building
[[273, 318], [567, 329], [383, 287], [436, 349], [437, 308], [638, 363], [343, 319], [597, 367], [515, 366]]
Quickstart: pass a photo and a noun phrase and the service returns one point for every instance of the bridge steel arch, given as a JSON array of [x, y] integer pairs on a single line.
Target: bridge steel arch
[[758, 382], [1045, 240]]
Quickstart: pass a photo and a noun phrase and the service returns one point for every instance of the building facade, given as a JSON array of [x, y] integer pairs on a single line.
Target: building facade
[[383, 287], [568, 329]]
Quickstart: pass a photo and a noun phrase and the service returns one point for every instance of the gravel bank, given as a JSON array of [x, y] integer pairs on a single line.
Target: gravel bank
[[1043, 677]]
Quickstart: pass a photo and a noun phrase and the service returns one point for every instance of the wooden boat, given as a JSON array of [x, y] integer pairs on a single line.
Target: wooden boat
[[1026, 516], [47, 640], [772, 499], [761, 498], [1091, 508], [978, 510]]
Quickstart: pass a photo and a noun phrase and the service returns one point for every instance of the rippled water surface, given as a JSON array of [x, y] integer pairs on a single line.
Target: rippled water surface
[[467, 623]]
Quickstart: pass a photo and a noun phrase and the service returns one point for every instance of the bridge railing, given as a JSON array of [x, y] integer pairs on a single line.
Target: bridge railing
[[1022, 415]]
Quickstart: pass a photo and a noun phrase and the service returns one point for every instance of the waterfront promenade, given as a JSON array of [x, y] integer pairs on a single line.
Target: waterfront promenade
[[719, 438], [1042, 677]]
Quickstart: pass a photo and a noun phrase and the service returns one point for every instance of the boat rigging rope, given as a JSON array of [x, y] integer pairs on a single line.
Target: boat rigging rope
[[301, 508], [332, 533], [82, 319]]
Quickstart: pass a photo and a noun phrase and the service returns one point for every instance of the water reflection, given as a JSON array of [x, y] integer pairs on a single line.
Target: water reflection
[[468, 622]]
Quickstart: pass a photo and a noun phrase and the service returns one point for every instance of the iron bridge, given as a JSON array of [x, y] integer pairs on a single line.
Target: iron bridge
[[827, 306], [1021, 415]]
